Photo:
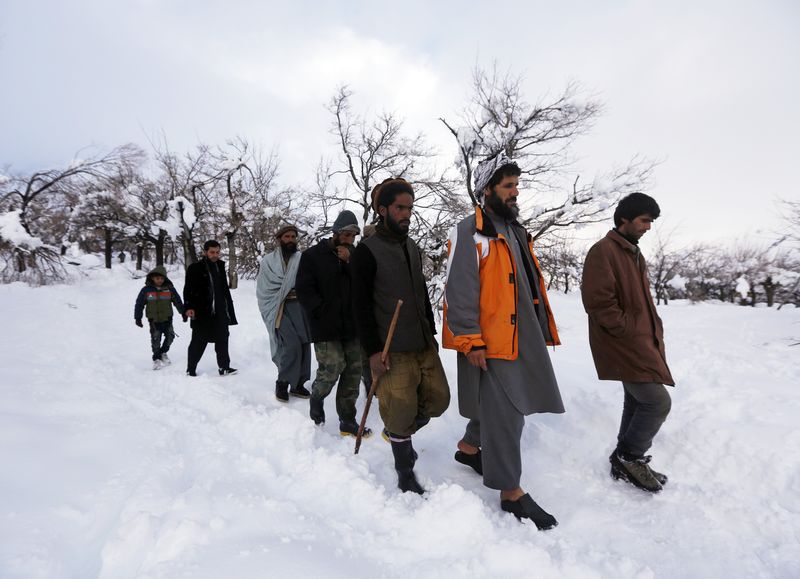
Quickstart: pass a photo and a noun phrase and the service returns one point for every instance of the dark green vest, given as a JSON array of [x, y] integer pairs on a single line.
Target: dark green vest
[[393, 281]]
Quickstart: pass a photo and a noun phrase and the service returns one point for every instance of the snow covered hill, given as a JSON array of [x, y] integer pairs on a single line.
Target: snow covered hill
[[109, 469]]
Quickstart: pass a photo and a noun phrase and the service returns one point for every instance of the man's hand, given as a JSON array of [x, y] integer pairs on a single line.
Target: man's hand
[[139, 323], [477, 358], [343, 253], [378, 367], [190, 314], [185, 317]]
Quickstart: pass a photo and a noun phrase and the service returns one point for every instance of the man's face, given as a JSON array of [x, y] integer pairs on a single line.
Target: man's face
[[344, 238], [502, 198], [289, 240], [398, 214], [637, 227], [212, 253]]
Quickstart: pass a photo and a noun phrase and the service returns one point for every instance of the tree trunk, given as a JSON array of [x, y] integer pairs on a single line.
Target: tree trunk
[[769, 290], [139, 256], [162, 236], [109, 246], [233, 275], [21, 265]]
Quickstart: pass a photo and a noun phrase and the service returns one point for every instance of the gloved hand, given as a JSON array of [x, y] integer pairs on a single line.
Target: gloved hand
[[139, 323], [185, 318]]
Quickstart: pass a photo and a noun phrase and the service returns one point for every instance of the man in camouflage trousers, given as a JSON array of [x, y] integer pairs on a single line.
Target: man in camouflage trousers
[[323, 288]]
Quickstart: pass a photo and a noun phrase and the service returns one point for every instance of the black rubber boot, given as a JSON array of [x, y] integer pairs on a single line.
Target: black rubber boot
[[404, 460], [316, 410], [282, 391], [526, 508]]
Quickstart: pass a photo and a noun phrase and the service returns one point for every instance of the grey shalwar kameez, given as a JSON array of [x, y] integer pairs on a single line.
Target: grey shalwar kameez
[[508, 390]]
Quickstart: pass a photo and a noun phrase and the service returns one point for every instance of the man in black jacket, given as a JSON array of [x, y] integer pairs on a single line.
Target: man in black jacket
[[208, 302], [323, 288]]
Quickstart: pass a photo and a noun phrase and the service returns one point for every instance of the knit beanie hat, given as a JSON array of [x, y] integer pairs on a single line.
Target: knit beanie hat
[[388, 188], [486, 170], [346, 222], [284, 228]]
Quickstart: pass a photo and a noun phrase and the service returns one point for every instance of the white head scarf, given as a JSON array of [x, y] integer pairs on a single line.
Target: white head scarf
[[486, 170]]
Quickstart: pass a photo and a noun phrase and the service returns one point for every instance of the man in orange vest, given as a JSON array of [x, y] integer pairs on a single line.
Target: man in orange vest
[[498, 319]]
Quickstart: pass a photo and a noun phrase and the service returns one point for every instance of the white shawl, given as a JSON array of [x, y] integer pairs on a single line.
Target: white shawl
[[274, 282]]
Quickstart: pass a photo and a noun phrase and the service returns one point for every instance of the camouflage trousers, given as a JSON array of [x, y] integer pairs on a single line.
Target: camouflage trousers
[[159, 330], [338, 361], [413, 391]]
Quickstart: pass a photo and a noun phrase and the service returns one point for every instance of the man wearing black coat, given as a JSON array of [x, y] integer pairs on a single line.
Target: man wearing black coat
[[323, 288], [208, 302]]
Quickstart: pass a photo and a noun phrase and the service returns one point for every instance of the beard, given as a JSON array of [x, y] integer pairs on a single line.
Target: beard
[[502, 208], [398, 227], [289, 248]]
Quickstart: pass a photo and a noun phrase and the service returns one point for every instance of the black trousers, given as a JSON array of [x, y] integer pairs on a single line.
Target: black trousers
[[644, 410], [200, 338]]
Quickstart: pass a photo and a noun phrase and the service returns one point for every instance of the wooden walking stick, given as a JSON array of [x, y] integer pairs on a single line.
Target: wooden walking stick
[[374, 386]]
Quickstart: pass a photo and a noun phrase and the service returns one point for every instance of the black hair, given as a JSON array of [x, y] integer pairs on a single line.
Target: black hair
[[633, 206], [210, 243], [507, 170]]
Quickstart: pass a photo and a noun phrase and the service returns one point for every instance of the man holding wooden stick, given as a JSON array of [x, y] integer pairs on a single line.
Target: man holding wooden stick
[[411, 381]]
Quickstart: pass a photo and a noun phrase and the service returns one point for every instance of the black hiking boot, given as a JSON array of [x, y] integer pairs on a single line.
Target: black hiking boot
[[192, 373], [635, 472], [350, 428], [660, 477], [227, 371], [317, 410], [282, 391], [475, 461], [404, 459], [526, 508], [300, 391]]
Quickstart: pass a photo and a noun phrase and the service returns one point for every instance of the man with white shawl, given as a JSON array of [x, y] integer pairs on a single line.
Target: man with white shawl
[[289, 335]]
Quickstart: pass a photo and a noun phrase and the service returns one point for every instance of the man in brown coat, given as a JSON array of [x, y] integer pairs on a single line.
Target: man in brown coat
[[627, 337]]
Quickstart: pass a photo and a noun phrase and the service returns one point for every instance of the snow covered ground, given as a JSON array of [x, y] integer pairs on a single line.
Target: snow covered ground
[[109, 469]]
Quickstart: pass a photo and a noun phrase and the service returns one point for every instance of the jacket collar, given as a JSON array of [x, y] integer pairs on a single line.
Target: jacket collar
[[485, 226], [617, 238]]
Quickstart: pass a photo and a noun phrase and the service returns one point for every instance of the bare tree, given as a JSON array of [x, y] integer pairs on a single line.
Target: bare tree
[[540, 137], [370, 151]]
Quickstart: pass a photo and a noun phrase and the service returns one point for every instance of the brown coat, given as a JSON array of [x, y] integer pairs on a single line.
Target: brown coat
[[625, 333]]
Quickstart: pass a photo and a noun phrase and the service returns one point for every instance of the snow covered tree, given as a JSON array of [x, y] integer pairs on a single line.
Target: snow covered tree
[[34, 211]]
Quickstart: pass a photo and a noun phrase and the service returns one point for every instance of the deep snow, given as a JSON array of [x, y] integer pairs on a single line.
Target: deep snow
[[110, 469]]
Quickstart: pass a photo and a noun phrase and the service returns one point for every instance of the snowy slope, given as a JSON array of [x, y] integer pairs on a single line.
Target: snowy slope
[[112, 470]]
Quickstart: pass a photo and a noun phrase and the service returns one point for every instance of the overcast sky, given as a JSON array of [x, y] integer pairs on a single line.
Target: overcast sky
[[710, 88]]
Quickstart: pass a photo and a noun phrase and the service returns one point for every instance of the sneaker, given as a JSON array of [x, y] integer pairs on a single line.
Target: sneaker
[[351, 429], [165, 359], [282, 391], [300, 391], [191, 373], [526, 508], [660, 477], [227, 371], [157, 365], [635, 472], [474, 461]]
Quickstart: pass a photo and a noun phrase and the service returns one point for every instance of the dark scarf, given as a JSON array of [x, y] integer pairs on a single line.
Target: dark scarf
[[626, 238]]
